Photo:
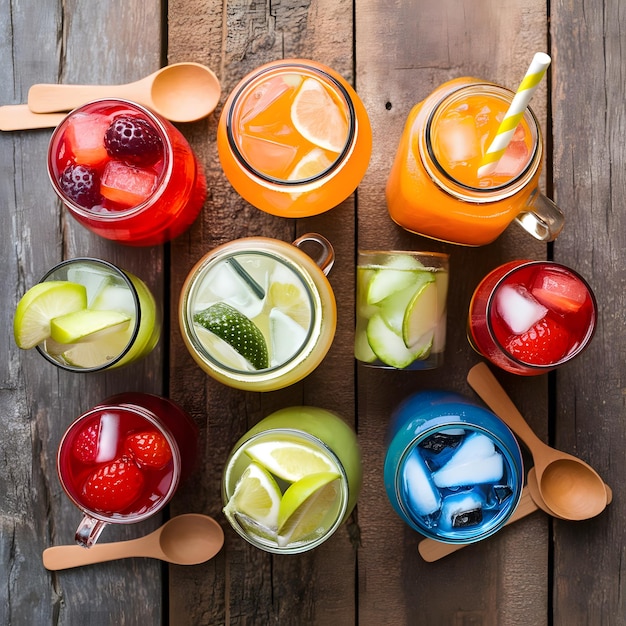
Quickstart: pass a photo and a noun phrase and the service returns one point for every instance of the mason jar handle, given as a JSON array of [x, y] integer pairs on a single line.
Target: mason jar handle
[[88, 531], [326, 257], [541, 218]]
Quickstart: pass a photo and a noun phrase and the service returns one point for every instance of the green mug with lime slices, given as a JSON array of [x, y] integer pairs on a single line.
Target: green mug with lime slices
[[259, 314], [292, 480], [401, 309], [88, 315]]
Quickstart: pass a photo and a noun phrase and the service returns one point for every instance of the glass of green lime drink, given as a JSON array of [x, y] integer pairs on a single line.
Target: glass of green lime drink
[[292, 479], [88, 315], [401, 309]]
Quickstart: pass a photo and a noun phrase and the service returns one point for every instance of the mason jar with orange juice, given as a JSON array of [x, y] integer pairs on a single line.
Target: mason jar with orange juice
[[435, 187], [294, 138]]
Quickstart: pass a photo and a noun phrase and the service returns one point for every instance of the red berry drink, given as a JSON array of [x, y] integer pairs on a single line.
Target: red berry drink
[[121, 461], [529, 317], [125, 173]]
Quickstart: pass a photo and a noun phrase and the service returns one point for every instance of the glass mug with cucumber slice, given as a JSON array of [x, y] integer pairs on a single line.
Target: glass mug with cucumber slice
[[88, 315], [292, 479], [258, 313], [401, 309]]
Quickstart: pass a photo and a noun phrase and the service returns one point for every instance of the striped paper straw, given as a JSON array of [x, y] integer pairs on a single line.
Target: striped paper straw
[[513, 116]]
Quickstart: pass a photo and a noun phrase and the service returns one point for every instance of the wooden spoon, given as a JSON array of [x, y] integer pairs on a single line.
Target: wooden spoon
[[533, 488], [20, 117], [184, 540], [433, 550], [182, 92], [569, 486]]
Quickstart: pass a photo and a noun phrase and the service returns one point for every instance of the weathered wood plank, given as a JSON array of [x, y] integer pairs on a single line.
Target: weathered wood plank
[[399, 60], [54, 41], [243, 584], [590, 182]]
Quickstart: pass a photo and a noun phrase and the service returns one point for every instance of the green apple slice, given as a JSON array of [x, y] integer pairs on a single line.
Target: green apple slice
[[87, 325], [42, 303]]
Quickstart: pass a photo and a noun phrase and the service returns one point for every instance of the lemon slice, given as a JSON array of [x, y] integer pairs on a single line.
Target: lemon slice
[[288, 295], [42, 303], [290, 460], [305, 507], [318, 118], [256, 496], [86, 325], [310, 165]]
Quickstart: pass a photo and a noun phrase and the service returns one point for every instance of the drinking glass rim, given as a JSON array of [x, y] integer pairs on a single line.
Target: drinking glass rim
[[147, 415], [257, 75], [118, 272], [162, 181], [484, 194], [570, 355]]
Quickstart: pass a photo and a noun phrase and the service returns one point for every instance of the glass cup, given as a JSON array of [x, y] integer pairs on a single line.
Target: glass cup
[[121, 461], [453, 470], [289, 451], [125, 173], [258, 313], [76, 342], [401, 309], [294, 138], [434, 188], [529, 317]]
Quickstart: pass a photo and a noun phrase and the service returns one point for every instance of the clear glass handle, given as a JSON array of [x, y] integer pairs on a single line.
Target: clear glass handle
[[541, 218], [88, 531], [326, 258]]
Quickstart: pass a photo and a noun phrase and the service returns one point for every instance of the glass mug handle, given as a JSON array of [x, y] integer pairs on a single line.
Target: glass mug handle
[[88, 531], [541, 218], [326, 258]]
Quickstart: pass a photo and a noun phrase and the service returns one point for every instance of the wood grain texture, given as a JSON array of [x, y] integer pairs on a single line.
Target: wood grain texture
[[71, 42]]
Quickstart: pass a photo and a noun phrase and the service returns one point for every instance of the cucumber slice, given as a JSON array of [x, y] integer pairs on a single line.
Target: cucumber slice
[[362, 349], [394, 307], [390, 347], [421, 314], [397, 274]]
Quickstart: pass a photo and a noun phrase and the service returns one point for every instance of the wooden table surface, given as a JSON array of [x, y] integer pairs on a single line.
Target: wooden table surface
[[536, 572]]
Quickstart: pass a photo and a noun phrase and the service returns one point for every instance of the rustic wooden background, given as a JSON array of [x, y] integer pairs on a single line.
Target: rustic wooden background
[[536, 572]]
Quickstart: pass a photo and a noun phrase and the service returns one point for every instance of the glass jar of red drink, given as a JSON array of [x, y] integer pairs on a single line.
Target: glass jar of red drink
[[530, 317], [125, 173], [121, 461]]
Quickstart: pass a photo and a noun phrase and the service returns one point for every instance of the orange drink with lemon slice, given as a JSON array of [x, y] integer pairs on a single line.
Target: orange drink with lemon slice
[[294, 138]]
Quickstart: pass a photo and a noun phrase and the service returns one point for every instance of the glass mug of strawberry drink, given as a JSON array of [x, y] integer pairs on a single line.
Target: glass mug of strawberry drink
[[121, 461], [529, 317], [125, 173]]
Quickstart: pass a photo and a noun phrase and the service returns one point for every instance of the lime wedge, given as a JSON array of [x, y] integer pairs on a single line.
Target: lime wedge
[[421, 314], [42, 303], [290, 460], [256, 496], [305, 507], [87, 325], [237, 330]]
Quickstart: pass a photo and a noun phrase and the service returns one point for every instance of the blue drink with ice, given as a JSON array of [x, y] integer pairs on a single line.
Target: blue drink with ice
[[453, 470]]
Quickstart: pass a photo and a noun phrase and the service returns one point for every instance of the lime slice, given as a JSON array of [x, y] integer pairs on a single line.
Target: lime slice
[[290, 460], [389, 347], [87, 325], [397, 274], [237, 330], [222, 351], [305, 507], [286, 337], [421, 315], [256, 496], [42, 303]]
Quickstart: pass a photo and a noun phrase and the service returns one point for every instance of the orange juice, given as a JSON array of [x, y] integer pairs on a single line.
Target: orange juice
[[434, 188], [294, 138]]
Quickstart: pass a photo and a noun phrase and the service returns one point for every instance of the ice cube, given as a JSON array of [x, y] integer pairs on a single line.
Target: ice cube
[[458, 140], [501, 493], [559, 291], [423, 497], [461, 510], [476, 471], [519, 310], [513, 160], [108, 437], [442, 440], [286, 337]]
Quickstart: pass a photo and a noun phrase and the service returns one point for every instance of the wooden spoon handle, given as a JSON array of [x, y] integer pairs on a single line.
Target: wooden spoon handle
[[46, 98], [64, 557], [486, 385], [432, 550], [20, 117]]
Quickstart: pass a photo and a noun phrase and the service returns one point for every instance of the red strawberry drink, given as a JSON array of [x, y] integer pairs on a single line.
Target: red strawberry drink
[[125, 173], [121, 461], [529, 317]]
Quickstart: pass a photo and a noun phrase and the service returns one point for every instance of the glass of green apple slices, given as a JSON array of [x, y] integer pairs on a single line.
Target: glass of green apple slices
[[401, 309], [88, 315]]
